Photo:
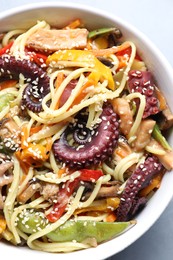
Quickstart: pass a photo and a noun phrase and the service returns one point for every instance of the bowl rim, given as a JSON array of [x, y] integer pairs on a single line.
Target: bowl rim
[[104, 253]]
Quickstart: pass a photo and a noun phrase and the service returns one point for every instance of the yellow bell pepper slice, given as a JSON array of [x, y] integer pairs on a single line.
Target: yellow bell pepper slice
[[35, 153], [82, 58], [2, 224]]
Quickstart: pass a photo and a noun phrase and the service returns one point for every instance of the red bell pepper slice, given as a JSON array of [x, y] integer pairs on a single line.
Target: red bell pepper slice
[[90, 175], [37, 57], [68, 189], [128, 51], [6, 48]]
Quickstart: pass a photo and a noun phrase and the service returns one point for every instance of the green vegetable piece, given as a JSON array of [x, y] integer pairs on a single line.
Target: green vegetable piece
[[157, 135], [100, 31], [30, 221], [5, 99], [81, 230]]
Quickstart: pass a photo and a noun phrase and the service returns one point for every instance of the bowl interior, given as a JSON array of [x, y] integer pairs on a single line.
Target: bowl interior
[[59, 14]]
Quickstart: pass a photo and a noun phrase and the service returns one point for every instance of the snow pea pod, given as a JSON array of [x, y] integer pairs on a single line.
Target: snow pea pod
[[79, 230]]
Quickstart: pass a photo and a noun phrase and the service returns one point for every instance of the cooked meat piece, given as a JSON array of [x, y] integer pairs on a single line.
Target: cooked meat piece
[[4, 166], [29, 192], [9, 134], [122, 150], [5, 177], [122, 108], [143, 135], [165, 119], [54, 40], [166, 158], [50, 191], [109, 190]]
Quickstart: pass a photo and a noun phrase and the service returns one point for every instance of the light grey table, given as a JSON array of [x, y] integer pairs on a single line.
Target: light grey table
[[155, 19]]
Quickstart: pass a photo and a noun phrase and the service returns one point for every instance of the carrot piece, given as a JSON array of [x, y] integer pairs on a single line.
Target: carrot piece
[[111, 217], [122, 61], [82, 94], [35, 129], [8, 84], [59, 79], [108, 51], [23, 165], [61, 172], [122, 153], [74, 24]]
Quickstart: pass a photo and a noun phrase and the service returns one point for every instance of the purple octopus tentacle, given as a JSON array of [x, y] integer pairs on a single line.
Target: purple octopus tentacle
[[137, 181], [137, 205], [98, 148], [37, 79], [143, 82]]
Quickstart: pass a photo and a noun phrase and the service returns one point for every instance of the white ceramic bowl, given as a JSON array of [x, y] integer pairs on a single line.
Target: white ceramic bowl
[[57, 13]]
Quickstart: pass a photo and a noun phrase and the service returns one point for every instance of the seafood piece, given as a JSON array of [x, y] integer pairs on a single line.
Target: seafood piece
[[97, 144], [39, 81], [137, 181], [143, 82], [143, 135]]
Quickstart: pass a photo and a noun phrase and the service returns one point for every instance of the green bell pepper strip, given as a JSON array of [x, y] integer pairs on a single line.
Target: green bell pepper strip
[[100, 31], [157, 135], [73, 230]]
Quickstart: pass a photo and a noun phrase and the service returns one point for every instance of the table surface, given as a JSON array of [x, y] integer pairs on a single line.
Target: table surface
[[155, 19]]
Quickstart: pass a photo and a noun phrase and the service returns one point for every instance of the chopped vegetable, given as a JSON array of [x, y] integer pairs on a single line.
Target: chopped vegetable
[[154, 184], [157, 135], [100, 31], [74, 24], [2, 224], [80, 230], [112, 50], [101, 205], [5, 100], [66, 191], [35, 153], [33, 218], [81, 58], [72, 230], [90, 175], [6, 48]]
